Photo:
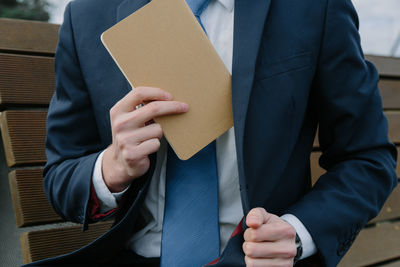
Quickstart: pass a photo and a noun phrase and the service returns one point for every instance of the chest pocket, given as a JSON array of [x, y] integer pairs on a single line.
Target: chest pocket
[[268, 69]]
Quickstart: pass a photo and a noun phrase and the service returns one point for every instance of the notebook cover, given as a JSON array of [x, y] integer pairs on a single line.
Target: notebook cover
[[162, 45]]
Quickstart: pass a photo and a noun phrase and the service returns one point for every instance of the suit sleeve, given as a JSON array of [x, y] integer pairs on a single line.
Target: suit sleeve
[[73, 143], [358, 157]]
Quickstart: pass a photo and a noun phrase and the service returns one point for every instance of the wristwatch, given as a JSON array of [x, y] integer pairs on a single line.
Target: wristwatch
[[299, 247]]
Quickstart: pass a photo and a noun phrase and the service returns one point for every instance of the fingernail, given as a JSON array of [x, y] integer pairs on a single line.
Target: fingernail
[[185, 107], [245, 247], [256, 219], [167, 96]]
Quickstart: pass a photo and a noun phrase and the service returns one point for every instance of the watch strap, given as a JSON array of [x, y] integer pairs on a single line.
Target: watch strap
[[299, 247]]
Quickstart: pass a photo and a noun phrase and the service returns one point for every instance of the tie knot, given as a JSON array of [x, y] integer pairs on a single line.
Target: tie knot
[[197, 6]]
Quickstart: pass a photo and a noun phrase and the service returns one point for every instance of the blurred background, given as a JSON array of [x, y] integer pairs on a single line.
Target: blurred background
[[379, 20]]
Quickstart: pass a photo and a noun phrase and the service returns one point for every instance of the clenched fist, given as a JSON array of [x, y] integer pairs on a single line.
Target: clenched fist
[[134, 139], [269, 240]]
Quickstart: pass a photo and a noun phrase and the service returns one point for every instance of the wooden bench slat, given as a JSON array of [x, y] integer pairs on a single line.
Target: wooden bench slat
[[374, 245], [398, 162], [394, 125], [390, 92], [29, 200], [387, 66], [23, 135], [395, 263], [391, 209], [26, 80], [316, 170], [28, 36], [37, 245]]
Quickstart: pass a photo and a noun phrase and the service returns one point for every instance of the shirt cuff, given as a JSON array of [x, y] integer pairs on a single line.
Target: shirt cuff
[[307, 242], [108, 200]]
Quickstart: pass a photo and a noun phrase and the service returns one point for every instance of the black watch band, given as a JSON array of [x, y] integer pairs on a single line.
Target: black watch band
[[299, 247]]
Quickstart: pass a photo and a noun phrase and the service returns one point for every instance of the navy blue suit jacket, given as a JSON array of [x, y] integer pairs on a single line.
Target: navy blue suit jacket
[[297, 64]]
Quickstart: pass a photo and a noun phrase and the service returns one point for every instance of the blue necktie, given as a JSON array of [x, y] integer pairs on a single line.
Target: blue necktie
[[197, 7], [190, 235]]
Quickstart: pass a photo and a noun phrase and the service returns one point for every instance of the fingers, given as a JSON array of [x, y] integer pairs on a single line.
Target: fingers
[[285, 249], [138, 144], [136, 160], [160, 108], [256, 217], [132, 152], [150, 146], [125, 139], [270, 232], [139, 95], [139, 117], [150, 131], [254, 262]]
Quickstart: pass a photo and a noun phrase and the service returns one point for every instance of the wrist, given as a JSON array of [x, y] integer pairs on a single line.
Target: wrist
[[309, 247]]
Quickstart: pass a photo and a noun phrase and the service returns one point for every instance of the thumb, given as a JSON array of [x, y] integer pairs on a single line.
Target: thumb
[[257, 217]]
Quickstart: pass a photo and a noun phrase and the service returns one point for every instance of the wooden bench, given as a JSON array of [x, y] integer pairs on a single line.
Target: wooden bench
[[26, 85]]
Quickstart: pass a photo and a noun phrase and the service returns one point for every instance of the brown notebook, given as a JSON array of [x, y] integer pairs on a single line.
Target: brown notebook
[[162, 45]]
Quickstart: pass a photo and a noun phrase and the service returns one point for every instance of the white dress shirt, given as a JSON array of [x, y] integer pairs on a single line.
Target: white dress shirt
[[217, 19]]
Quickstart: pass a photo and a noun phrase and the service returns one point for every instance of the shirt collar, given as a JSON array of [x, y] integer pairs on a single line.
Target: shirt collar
[[228, 4]]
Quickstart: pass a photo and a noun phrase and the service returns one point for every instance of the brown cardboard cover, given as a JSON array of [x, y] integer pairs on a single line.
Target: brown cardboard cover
[[162, 45]]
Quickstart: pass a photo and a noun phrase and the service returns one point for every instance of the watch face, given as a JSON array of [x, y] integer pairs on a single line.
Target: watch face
[[299, 248], [298, 240]]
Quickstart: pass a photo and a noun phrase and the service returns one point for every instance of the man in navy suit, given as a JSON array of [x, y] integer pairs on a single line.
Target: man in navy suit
[[296, 65]]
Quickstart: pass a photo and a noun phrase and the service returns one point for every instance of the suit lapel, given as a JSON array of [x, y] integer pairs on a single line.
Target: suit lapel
[[250, 17], [127, 7]]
